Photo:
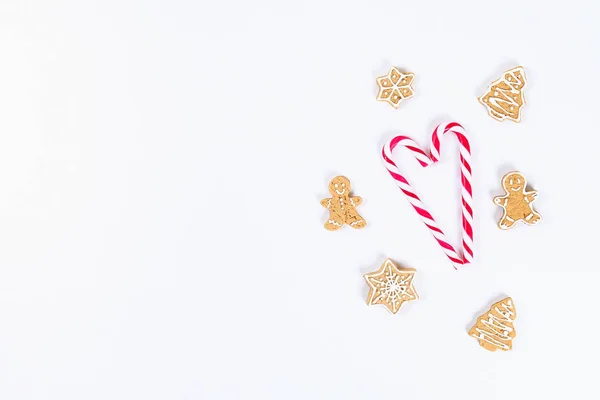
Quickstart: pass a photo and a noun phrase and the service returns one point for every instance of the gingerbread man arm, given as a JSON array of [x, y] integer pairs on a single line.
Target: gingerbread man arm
[[501, 200], [530, 196], [356, 200], [326, 203]]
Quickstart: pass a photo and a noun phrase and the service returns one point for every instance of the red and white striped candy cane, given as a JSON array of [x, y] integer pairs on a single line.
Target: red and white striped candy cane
[[415, 201]]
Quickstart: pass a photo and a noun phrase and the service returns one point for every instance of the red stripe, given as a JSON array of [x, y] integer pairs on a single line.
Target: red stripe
[[445, 245], [464, 142], [435, 143], [398, 177], [467, 249], [386, 158], [394, 142], [465, 164], [467, 208], [422, 212], [451, 126], [416, 150], [433, 228], [455, 261], [467, 185], [467, 228], [410, 194]]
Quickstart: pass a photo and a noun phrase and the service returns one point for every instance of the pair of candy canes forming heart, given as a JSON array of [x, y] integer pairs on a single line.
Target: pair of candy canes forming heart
[[415, 201], [516, 203]]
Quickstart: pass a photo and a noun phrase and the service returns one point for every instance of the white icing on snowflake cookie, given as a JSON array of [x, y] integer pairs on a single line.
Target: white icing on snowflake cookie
[[395, 87], [391, 286]]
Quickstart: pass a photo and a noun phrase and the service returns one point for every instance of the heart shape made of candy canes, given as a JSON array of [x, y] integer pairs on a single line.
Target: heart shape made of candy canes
[[415, 201]]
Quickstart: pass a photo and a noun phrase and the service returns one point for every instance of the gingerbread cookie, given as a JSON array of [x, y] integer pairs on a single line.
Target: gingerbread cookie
[[517, 203], [494, 329], [391, 286], [395, 87], [342, 206], [504, 97]]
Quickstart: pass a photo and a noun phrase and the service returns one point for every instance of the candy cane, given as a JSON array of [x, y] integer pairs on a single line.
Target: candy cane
[[415, 201]]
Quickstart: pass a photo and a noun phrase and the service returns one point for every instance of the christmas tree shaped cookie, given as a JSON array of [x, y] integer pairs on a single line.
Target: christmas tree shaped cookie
[[504, 97], [494, 329]]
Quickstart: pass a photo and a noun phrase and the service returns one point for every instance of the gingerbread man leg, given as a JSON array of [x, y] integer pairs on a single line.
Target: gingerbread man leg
[[532, 218], [355, 220], [506, 222], [334, 222]]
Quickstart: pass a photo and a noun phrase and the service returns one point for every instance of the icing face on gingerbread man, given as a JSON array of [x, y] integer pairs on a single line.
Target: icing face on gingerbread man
[[338, 185], [517, 203], [342, 206]]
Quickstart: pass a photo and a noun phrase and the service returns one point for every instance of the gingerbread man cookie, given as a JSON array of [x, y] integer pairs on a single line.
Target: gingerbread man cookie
[[517, 203], [342, 206]]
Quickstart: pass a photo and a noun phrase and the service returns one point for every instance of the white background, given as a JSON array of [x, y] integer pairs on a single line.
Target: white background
[[161, 166]]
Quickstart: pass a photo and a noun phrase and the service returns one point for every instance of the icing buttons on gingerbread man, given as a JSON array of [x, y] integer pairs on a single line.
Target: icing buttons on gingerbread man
[[342, 206], [517, 203]]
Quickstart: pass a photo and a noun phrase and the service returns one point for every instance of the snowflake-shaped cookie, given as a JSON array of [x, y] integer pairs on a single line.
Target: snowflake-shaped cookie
[[395, 87], [391, 286]]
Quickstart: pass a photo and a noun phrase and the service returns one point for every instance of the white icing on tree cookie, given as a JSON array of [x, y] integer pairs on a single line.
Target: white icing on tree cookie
[[504, 98], [495, 329]]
